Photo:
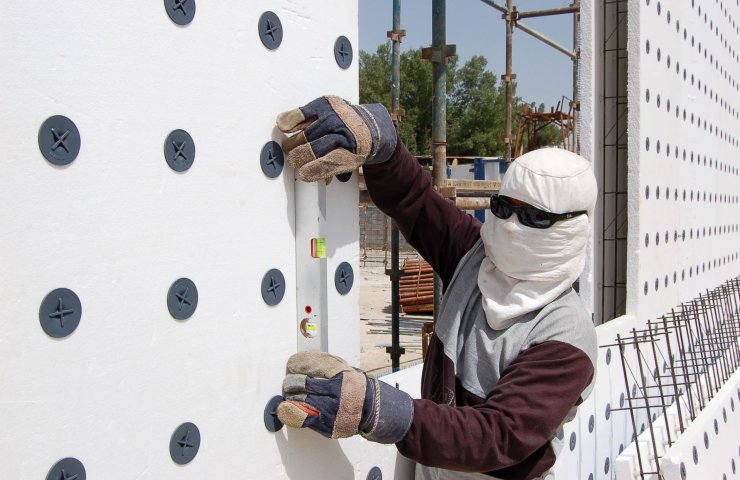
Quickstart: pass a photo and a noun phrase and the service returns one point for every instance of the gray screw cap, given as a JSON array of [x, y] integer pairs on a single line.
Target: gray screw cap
[[182, 299], [60, 312], [343, 52], [344, 278], [270, 30], [184, 443], [179, 150], [67, 469], [273, 287], [272, 422], [59, 140], [181, 12], [272, 159], [375, 474]]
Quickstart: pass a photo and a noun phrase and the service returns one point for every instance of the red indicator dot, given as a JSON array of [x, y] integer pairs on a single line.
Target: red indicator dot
[[308, 309]]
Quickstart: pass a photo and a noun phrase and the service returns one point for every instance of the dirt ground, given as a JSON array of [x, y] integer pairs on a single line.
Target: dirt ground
[[375, 316]]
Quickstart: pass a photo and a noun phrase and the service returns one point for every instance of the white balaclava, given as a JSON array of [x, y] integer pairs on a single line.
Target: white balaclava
[[526, 268]]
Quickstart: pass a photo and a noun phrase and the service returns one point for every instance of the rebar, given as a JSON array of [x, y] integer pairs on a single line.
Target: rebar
[[700, 338], [647, 403], [629, 401], [660, 384]]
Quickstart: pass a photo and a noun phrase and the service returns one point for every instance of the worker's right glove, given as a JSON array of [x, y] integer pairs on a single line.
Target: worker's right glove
[[333, 137], [323, 393]]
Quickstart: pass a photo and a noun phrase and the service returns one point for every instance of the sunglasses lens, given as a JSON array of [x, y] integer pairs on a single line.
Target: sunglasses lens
[[500, 207], [535, 218]]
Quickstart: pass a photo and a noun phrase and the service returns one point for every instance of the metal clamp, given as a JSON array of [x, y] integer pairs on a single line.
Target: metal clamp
[[439, 55]]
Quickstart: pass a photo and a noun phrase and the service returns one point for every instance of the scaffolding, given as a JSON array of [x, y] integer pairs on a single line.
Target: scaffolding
[[512, 16], [531, 122]]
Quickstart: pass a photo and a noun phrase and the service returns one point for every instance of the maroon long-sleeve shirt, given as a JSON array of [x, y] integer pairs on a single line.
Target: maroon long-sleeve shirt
[[492, 401]]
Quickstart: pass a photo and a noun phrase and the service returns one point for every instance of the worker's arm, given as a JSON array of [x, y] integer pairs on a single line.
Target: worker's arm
[[438, 230], [513, 424]]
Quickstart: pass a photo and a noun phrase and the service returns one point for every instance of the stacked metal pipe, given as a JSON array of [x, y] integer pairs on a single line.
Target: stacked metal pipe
[[417, 287]]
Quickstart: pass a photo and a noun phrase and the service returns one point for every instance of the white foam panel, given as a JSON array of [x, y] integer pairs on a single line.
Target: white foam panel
[[684, 159], [118, 227]]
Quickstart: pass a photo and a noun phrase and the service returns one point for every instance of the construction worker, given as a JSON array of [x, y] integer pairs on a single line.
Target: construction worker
[[514, 349]]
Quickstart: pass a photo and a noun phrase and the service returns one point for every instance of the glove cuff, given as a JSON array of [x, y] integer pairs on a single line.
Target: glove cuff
[[382, 131], [391, 413]]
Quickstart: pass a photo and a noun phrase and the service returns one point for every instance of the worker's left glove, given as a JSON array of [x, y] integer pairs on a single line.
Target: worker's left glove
[[333, 136], [322, 392]]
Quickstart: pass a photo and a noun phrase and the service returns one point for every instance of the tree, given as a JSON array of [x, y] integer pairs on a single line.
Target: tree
[[375, 76], [416, 92], [475, 103], [476, 111]]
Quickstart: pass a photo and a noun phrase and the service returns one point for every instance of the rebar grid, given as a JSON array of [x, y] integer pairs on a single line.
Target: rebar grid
[[614, 154], [698, 344]]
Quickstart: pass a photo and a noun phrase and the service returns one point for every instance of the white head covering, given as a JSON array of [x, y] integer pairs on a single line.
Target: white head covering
[[526, 268]]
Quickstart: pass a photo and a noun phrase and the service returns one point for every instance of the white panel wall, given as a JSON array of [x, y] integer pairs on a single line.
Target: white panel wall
[[684, 156], [596, 444], [118, 227], [587, 127]]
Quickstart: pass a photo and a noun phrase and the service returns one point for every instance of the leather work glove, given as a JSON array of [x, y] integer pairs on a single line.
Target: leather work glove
[[333, 137], [322, 392]]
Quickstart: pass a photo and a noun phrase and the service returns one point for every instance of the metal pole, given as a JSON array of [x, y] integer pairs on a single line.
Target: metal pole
[[508, 79], [521, 26], [575, 103], [544, 39], [439, 113], [549, 11], [395, 35], [439, 106], [494, 5]]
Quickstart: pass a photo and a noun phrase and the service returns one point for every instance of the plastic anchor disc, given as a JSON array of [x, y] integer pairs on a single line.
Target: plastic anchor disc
[[60, 312], [273, 287], [182, 299], [271, 159], [179, 150], [184, 443], [272, 422], [59, 140], [343, 52], [344, 278], [67, 469], [270, 30], [375, 474], [181, 12]]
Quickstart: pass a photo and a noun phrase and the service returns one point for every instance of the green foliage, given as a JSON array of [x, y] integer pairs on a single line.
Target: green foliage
[[375, 76], [416, 92], [475, 102], [476, 111]]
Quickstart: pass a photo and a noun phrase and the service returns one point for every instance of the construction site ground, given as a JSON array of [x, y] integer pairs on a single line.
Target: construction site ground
[[375, 318]]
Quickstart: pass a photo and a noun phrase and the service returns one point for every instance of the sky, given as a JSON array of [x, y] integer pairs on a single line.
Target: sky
[[543, 73]]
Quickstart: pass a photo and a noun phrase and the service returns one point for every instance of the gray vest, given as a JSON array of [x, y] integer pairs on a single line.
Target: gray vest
[[480, 354]]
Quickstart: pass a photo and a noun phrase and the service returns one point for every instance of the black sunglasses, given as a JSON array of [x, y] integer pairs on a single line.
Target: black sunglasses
[[528, 216]]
